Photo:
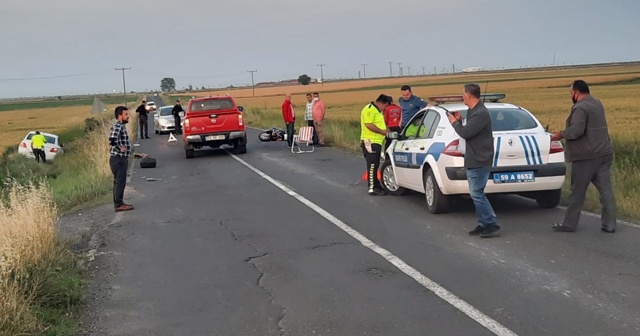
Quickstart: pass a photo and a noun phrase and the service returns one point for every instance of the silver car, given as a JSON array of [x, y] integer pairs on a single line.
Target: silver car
[[163, 120]]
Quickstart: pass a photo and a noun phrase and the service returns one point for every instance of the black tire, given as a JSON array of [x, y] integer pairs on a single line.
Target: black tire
[[264, 136], [157, 132], [388, 182], [240, 146], [548, 199], [189, 153], [437, 202]]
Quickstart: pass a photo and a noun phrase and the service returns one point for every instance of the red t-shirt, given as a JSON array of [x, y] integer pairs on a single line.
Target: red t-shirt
[[393, 115]]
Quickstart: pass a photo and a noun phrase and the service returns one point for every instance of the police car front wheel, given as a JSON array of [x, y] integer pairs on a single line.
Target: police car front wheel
[[389, 183]]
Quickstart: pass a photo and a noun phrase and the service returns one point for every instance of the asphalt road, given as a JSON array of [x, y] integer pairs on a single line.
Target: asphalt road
[[275, 243]]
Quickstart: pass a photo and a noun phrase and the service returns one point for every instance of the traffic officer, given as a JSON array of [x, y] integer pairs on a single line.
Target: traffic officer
[[37, 146], [373, 133]]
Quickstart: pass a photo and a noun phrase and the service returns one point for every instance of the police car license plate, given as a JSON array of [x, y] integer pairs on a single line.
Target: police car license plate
[[214, 137], [514, 177]]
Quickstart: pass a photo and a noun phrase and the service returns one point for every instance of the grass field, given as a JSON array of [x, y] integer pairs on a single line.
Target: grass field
[[64, 102], [544, 93], [41, 279]]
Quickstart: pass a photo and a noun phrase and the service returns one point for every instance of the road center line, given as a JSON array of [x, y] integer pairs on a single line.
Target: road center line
[[464, 307]]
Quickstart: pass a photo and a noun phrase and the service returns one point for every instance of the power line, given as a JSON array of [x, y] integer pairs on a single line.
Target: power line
[[253, 86], [321, 74], [124, 85], [50, 77]]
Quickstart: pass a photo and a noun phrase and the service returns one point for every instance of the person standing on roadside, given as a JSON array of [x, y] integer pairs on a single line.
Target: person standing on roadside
[[289, 116], [372, 134], [318, 117], [37, 147], [410, 104], [590, 152], [143, 116], [478, 156], [120, 150], [177, 108], [392, 118], [308, 117]]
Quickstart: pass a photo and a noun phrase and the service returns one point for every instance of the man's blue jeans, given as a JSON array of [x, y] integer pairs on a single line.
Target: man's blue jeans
[[477, 178]]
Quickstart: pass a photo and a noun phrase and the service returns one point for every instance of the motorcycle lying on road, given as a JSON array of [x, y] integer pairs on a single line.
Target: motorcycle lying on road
[[273, 134]]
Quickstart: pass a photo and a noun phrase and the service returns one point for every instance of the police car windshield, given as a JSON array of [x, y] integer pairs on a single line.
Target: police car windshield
[[511, 119]]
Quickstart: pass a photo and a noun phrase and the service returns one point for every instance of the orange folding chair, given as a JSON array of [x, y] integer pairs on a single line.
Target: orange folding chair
[[304, 137]]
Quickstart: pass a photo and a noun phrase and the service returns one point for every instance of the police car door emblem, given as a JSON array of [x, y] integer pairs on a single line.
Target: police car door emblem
[[511, 142]]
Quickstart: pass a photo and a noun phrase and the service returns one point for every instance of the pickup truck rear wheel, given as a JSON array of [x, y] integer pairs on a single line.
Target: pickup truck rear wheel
[[240, 146], [189, 153]]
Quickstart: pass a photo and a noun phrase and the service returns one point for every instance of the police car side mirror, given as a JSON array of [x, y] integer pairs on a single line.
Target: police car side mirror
[[392, 135]]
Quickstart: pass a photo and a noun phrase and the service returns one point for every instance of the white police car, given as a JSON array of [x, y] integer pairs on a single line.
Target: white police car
[[426, 156]]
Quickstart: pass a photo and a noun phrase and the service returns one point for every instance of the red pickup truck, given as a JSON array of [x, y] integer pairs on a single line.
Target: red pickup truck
[[213, 122]]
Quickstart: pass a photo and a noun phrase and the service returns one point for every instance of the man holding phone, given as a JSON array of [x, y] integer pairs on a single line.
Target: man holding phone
[[478, 135]]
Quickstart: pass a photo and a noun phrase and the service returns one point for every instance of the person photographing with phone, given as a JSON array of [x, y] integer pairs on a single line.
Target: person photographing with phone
[[478, 154]]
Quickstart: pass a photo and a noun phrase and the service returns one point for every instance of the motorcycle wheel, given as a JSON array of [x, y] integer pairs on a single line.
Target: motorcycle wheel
[[264, 136]]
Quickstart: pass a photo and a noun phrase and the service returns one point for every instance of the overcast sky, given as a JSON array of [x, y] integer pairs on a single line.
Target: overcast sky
[[214, 43]]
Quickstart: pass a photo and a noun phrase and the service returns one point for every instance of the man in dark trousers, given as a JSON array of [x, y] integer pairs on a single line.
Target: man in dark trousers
[[372, 133], [590, 152], [478, 156], [143, 116], [177, 108], [289, 117], [120, 149]]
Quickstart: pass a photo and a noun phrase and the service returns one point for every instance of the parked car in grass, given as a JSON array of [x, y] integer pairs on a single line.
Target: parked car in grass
[[52, 148]]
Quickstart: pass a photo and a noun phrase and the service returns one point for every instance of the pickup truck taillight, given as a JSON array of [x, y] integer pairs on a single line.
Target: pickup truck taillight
[[186, 123], [453, 149], [556, 147], [240, 120]]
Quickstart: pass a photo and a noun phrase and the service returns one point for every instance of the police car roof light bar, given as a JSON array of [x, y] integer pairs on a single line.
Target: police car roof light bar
[[492, 97]]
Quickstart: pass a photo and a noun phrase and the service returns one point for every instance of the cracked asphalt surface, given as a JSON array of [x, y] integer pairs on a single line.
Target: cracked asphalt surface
[[212, 248]]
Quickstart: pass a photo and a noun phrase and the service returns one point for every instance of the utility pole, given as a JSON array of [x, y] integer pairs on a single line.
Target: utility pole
[[364, 70], [253, 86], [390, 70], [124, 85], [434, 70], [400, 69], [423, 72], [453, 68], [321, 73]]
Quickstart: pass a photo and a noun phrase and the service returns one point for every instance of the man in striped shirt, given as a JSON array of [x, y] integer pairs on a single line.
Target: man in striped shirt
[[120, 149], [308, 116]]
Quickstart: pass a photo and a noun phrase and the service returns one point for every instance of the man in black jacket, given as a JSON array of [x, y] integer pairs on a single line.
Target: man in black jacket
[[142, 119], [177, 108], [590, 152], [478, 156]]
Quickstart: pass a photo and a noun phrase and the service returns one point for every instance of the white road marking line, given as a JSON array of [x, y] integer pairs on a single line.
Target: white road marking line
[[464, 307]]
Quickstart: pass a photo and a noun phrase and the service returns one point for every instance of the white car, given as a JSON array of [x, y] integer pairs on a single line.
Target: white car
[[163, 120], [52, 147], [525, 162], [151, 106]]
